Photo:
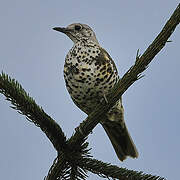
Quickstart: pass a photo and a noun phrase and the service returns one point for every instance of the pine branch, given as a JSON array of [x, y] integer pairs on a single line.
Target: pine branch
[[107, 170], [59, 171], [67, 167], [27, 106], [104, 170]]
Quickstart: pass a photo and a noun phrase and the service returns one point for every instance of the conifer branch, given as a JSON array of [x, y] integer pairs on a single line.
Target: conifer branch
[[27, 106], [107, 170], [104, 170]]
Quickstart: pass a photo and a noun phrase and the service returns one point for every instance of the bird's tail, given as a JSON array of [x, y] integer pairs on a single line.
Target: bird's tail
[[120, 139]]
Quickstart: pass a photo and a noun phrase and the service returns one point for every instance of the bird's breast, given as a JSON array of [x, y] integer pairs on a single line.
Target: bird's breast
[[87, 77]]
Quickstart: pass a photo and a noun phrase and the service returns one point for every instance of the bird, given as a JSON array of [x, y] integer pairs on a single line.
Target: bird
[[90, 74]]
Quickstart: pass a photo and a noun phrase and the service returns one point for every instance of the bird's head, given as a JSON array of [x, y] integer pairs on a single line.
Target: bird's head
[[78, 33]]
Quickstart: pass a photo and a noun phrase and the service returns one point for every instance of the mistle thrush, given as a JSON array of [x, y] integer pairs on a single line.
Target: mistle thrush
[[90, 74]]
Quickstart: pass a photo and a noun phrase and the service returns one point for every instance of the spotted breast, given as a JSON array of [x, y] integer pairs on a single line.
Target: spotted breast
[[89, 73]]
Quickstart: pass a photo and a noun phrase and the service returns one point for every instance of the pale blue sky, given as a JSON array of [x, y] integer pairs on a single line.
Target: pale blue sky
[[33, 53]]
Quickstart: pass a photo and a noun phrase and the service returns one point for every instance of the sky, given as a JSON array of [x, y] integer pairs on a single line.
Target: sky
[[32, 53]]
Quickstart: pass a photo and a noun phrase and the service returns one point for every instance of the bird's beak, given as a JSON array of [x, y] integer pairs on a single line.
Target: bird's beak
[[61, 29]]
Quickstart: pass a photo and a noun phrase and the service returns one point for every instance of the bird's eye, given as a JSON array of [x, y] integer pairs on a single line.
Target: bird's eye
[[77, 27]]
